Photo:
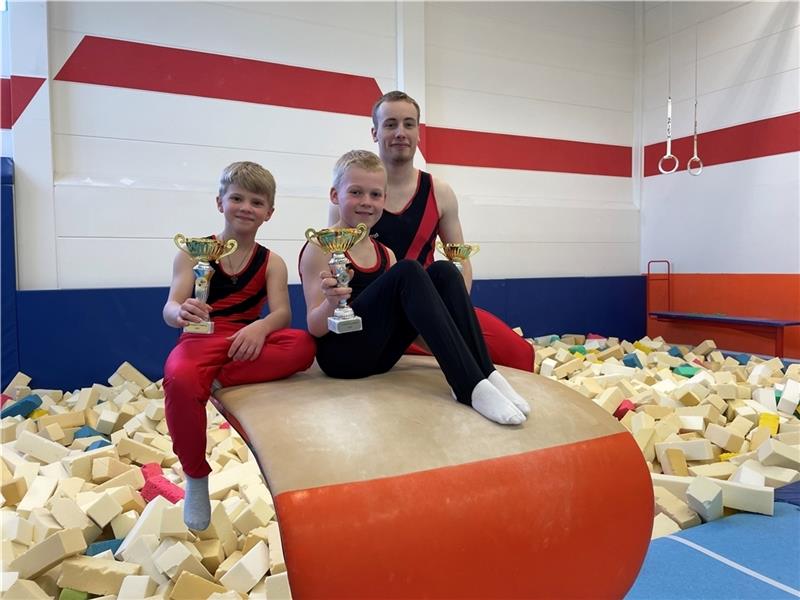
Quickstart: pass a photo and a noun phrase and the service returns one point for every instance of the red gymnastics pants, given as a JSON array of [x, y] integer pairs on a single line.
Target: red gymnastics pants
[[198, 359], [505, 346]]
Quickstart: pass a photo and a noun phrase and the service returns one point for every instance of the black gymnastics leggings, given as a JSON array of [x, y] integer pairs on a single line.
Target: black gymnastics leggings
[[402, 303]]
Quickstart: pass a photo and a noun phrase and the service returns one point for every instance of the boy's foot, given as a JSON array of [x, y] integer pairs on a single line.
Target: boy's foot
[[501, 383], [196, 504], [493, 405]]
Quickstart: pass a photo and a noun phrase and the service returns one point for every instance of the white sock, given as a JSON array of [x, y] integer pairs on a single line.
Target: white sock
[[493, 405], [196, 504], [501, 383]]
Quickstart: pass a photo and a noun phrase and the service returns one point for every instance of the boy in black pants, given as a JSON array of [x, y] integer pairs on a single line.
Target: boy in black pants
[[398, 301]]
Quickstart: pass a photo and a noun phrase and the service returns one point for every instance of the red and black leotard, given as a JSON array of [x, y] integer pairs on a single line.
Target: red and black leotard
[[412, 232], [242, 300]]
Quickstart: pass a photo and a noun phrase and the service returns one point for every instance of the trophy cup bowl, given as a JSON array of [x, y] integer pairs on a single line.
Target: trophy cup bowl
[[456, 253], [336, 242], [203, 251]]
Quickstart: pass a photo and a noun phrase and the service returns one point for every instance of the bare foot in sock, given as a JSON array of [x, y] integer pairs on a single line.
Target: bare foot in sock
[[501, 383], [493, 405], [196, 504]]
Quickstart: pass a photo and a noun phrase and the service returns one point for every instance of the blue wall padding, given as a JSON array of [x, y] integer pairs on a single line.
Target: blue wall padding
[[612, 306], [93, 331], [8, 275]]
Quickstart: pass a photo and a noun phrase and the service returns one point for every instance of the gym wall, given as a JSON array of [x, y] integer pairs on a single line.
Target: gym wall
[[537, 114], [731, 233]]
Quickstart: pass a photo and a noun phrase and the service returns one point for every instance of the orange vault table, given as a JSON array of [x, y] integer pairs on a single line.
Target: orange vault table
[[385, 487]]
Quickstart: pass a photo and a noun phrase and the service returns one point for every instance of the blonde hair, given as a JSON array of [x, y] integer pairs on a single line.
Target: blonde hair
[[394, 96], [363, 159], [249, 175]]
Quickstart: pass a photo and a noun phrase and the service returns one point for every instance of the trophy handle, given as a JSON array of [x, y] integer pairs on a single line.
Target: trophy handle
[[476, 248], [362, 232], [230, 248], [311, 235], [180, 242]]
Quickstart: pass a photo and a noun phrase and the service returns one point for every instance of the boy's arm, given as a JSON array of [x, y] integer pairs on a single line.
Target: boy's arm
[[450, 224], [246, 344], [319, 288], [181, 309]]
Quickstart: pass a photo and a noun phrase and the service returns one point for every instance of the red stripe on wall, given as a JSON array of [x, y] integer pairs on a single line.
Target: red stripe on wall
[[104, 61], [15, 95], [503, 151], [776, 135]]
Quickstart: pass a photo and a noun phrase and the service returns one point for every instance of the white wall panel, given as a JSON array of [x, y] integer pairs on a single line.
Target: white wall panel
[[548, 259], [171, 118], [115, 262], [135, 213], [772, 55], [502, 76], [239, 31], [475, 111], [580, 20], [152, 165], [457, 27], [739, 217], [760, 99]]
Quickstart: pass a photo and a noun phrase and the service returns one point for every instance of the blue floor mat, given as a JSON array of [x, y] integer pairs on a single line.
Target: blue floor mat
[[770, 546]]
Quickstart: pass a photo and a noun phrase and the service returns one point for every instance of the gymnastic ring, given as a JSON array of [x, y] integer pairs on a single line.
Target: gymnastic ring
[[698, 170], [661, 164]]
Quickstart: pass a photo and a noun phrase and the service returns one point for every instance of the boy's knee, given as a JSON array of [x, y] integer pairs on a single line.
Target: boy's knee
[[407, 267], [443, 268]]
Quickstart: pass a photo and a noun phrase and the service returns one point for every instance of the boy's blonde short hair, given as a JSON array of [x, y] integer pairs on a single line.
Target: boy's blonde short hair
[[363, 159], [250, 176], [394, 96]]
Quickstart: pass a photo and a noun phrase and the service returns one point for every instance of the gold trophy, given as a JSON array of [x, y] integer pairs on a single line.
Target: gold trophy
[[337, 242], [203, 251], [456, 253]]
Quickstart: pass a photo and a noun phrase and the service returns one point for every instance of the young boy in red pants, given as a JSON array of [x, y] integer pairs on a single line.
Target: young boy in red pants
[[243, 348]]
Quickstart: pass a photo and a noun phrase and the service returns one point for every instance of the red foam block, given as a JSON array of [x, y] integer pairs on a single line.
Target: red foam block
[[161, 486], [624, 407], [151, 470], [4, 398]]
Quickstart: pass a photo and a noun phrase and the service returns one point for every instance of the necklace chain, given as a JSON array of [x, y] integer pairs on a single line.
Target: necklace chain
[[235, 272]]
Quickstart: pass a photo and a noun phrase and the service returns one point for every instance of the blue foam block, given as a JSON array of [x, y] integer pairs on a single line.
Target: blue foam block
[[87, 431], [99, 547], [674, 351], [97, 444], [631, 360], [22, 407]]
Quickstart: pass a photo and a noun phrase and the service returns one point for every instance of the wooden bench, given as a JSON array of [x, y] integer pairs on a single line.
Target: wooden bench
[[735, 322]]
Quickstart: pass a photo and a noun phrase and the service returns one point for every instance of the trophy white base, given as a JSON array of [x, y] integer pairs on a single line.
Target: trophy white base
[[202, 327], [344, 325]]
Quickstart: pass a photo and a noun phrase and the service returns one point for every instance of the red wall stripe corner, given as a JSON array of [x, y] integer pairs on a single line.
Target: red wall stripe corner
[[503, 151], [16, 93], [767, 137], [103, 61]]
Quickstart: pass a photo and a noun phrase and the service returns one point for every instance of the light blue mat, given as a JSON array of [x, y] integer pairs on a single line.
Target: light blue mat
[[741, 556]]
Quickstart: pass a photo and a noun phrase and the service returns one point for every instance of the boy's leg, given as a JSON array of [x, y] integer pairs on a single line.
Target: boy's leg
[[406, 289], [505, 346], [285, 352], [450, 286], [190, 368]]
